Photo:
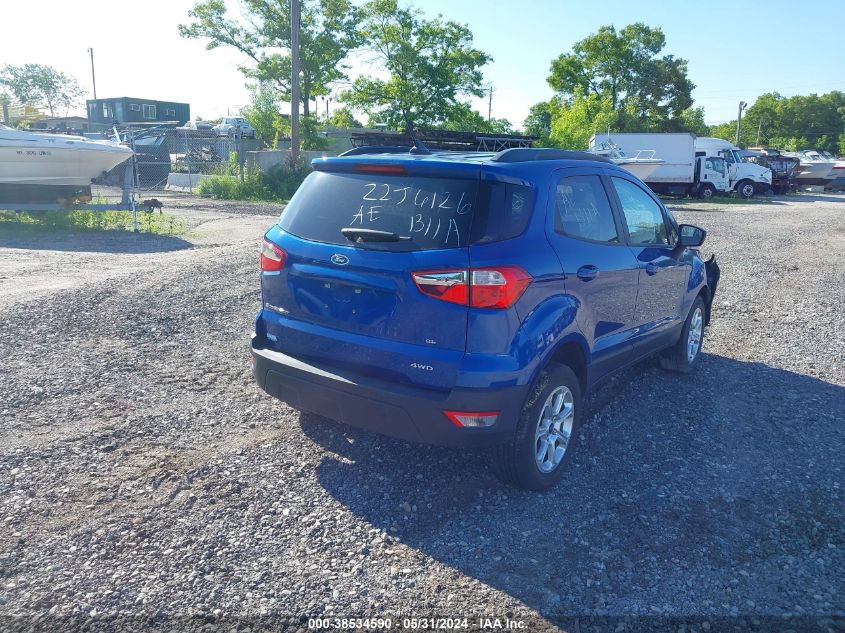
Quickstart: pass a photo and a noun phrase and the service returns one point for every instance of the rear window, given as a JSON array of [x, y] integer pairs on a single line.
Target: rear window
[[433, 213]]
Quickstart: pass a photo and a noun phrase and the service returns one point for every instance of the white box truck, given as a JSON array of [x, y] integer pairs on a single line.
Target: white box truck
[[688, 169]]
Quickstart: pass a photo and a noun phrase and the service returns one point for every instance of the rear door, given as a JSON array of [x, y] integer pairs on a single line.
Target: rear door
[[652, 237], [353, 302], [599, 268]]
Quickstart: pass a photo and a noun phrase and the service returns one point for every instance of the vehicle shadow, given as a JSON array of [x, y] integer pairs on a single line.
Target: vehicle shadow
[[23, 236], [679, 488]]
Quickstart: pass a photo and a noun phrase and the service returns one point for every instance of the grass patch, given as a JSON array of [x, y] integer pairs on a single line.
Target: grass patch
[[81, 220], [277, 184]]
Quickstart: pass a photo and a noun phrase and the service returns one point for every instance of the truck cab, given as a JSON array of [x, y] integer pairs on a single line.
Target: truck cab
[[743, 177], [711, 175]]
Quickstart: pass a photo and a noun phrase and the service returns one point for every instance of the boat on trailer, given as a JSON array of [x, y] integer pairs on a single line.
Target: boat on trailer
[[48, 167], [642, 164]]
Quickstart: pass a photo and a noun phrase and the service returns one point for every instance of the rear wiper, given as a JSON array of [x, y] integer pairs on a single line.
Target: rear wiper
[[371, 235]]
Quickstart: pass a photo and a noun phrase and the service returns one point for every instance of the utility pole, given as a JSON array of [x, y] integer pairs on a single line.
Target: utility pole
[[490, 105], [294, 92], [93, 78], [742, 106]]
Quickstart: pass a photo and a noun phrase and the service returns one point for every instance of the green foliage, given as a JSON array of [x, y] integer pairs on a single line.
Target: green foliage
[[82, 220], [313, 134], [327, 33], [462, 118], [278, 184], [431, 63], [42, 86], [621, 71], [791, 123], [573, 123], [343, 118], [263, 114], [539, 120]]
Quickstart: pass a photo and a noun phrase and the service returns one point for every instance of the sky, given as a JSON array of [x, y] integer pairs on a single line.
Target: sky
[[736, 50]]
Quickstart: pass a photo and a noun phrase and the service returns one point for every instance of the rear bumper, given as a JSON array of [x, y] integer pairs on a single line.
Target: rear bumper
[[393, 409]]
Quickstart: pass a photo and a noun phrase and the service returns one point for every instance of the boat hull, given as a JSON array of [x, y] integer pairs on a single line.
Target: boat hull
[[640, 169], [58, 166], [815, 173]]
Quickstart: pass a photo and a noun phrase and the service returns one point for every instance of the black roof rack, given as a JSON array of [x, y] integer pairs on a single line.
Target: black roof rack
[[525, 154]]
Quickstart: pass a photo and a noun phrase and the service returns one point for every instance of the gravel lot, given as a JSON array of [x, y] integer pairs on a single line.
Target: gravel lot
[[144, 475]]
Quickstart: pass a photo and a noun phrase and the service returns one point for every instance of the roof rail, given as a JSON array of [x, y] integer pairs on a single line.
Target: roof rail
[[525, 154], [378, 149]]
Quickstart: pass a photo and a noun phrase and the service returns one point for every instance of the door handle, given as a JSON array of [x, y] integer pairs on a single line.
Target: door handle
[[587, 272], [651, 268]]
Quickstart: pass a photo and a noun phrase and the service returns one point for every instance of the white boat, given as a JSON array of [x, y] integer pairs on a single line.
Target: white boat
[[642, 165], [29, 159], [814, 169]]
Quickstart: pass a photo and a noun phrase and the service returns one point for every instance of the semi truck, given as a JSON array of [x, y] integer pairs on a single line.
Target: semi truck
[[686, 169]]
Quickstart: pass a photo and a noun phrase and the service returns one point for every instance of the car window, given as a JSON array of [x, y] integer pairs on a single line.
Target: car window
[[643, 216], [582, 209], [425, 213]]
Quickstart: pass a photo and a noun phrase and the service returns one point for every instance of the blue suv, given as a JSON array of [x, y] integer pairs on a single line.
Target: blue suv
[[470, 299]]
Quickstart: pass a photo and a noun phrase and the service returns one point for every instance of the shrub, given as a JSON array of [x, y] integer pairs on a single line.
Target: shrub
[[277, 184]]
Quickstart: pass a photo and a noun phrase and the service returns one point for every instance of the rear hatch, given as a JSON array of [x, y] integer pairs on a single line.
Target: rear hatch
[[348, 298]]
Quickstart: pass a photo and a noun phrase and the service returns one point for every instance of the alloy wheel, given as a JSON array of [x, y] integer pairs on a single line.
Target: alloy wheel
[[554, 428], [694, 337]]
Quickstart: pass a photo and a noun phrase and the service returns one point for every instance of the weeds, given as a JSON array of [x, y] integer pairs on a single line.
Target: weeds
[[277, 184], [81, 220]]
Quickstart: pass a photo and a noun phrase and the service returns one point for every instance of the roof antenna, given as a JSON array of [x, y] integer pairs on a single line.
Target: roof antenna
[[419, 147]]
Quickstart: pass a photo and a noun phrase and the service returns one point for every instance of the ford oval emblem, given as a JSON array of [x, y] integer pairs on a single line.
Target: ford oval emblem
[[340, 260]]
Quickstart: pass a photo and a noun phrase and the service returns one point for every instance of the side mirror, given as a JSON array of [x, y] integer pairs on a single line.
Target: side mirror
[[691, 236]]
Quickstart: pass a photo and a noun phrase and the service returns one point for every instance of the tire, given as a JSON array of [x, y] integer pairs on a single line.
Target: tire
[[516, 462], [681, 357], [707, 191], [745, 189]]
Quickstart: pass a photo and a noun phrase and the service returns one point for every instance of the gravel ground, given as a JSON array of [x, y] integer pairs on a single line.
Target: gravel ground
[[143, 475]]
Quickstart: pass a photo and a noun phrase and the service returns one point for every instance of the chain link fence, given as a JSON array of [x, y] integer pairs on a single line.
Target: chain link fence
[[161, 151]]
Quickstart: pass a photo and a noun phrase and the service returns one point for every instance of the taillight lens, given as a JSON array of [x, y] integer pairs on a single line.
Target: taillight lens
[[272, 257], [446, 285], [472, 419], [498, 287]]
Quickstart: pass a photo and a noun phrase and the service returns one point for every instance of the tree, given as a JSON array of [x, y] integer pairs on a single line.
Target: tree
[[539, 120], [41, 86], [462, 118], [791, 123], [622, 70], [432, 63], [343, 118], [573, 123], [263, 114], [327, 33]]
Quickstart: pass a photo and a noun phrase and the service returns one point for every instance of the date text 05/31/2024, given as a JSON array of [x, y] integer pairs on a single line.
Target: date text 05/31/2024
[[423, 623]]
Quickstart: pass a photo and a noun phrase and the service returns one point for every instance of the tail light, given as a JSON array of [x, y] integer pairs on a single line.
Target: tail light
[[472, 419], [272, 257], [498, 287]]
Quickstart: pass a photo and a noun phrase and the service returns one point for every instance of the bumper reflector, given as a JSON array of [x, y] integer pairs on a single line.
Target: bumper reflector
[[473, 419]]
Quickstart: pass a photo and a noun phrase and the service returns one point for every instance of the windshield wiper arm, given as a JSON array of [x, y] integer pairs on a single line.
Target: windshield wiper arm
[[371, 235]]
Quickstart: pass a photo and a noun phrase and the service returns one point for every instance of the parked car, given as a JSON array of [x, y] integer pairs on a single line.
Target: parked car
[[474, 299], [231, 124], [199, 126]]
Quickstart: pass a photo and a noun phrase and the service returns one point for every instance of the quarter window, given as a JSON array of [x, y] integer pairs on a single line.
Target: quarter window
[[582, 210], [643, 216]]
